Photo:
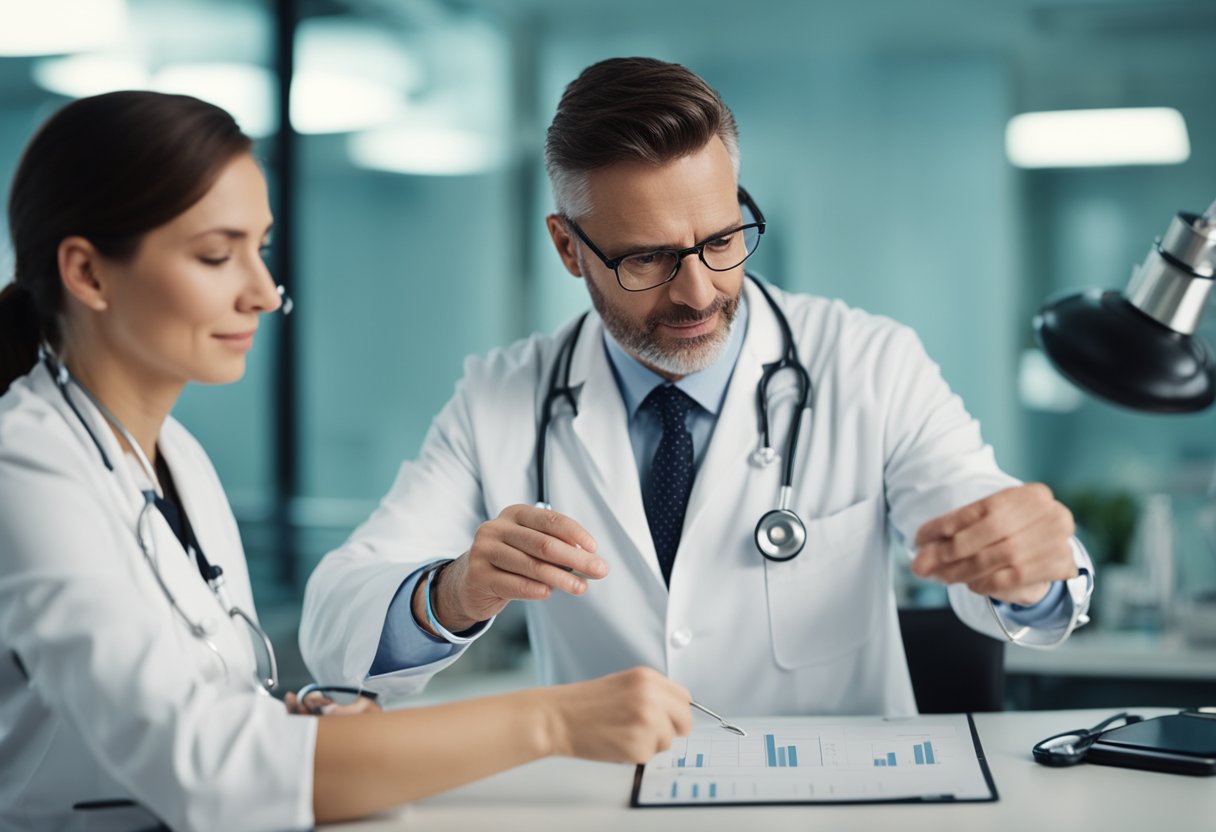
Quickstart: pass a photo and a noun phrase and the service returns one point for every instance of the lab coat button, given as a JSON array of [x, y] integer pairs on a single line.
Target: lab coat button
[[681, 637]]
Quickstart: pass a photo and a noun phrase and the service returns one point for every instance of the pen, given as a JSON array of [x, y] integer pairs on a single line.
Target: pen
[[734, 729]]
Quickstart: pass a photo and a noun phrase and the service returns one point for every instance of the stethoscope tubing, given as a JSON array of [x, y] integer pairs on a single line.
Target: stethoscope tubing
[[782, 517], [63, 379]]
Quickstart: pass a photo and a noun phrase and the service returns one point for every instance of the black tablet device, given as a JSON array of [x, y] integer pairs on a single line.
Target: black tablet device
[[1182, 743]]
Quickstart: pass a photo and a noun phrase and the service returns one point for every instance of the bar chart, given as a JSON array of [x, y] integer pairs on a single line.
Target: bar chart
[[785, 755], [807, 760], [918, 754]]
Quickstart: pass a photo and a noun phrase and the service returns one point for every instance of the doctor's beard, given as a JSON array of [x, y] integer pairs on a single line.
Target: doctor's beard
[[680, 357]]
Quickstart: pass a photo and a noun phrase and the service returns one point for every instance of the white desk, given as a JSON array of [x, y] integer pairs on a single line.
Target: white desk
[[558, 794]]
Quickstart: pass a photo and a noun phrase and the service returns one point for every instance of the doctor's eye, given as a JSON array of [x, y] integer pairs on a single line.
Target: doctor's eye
[[723, 242], [215, 261], [644, 260]]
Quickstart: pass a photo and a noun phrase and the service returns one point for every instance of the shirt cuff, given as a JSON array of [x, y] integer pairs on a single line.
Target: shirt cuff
[[403, 643], [1053, 610]]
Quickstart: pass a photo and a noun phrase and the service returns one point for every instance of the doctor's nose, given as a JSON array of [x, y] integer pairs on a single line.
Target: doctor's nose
[[693, 285]]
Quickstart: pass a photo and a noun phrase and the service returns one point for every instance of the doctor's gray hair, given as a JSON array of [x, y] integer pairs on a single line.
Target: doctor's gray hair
[[109, 168], [630, 110]]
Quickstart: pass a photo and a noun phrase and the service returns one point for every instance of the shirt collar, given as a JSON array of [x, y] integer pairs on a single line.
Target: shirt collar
[[707, 387]]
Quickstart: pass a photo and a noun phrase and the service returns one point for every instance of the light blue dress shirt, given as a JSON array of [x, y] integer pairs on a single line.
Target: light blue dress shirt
[[405, 644]]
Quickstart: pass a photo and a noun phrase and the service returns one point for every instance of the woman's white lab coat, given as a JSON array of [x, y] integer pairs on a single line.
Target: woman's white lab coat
[[104, 693], [886, 448]]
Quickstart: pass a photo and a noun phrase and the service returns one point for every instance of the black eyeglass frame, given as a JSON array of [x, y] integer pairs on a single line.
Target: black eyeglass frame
[[1048, 752], [614, 263]]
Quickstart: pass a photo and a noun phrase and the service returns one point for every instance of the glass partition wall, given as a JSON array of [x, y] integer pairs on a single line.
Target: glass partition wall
[[403, 144]]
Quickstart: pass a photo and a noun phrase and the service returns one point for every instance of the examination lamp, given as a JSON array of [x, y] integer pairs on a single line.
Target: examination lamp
[[1138, 348]]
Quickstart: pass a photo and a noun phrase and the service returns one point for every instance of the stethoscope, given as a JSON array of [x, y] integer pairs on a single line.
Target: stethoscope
[[780, 534], [212, 574]]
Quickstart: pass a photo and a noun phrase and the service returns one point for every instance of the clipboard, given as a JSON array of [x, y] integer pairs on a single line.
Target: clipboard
[[791, 761]]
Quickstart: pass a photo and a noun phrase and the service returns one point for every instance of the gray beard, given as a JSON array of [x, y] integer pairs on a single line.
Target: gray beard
[[691, 356]]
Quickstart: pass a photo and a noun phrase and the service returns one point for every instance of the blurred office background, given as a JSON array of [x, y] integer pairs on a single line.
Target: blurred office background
[[403, 143]]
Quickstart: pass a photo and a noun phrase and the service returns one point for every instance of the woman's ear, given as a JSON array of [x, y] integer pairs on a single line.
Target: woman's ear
[[79, 270]]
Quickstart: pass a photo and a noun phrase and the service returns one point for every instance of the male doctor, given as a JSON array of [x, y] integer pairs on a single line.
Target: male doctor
[[648, 555]]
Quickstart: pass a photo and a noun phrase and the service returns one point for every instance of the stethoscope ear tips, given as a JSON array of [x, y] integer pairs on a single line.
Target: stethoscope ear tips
[[288, 304], [780, 535]]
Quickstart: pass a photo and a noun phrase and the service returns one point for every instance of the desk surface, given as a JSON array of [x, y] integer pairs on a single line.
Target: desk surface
[[561, 794]]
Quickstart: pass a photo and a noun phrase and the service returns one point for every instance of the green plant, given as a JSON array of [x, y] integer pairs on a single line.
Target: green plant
[[1106, 519]]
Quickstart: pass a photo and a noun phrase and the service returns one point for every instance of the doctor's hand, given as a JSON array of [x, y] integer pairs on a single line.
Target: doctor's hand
[[626, 717], [1009, 546], [525, 553]]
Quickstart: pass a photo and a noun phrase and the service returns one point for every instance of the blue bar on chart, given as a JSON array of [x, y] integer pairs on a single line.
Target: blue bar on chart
[[890, 758], [770, 745], [700, 760], [878, 761], [680, 763], [674, 787], [781, 757], [713, 789], [793, 756], [918, 751], [929, 753], [695, 789]]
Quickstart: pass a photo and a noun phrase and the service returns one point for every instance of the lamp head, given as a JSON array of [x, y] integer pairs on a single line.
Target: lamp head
[[1138, 348]]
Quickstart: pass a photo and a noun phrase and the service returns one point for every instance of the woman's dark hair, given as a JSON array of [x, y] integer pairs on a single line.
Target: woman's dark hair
[[110, 169]]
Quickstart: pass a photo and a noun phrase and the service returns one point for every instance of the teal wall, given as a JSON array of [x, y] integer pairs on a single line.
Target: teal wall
[[872, 136]]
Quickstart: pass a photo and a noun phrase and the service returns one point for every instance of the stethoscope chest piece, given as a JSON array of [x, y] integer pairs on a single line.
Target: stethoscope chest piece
[[780, 534]]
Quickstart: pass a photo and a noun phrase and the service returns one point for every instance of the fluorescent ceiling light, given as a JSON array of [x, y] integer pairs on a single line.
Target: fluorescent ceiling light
[[357, 48], [77, 76], [426, 151], [350, 75], [1094, 138], [327, 102], [245, 90], [52, 27]]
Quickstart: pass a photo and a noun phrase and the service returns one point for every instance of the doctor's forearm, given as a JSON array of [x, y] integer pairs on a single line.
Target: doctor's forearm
[[369, 762]]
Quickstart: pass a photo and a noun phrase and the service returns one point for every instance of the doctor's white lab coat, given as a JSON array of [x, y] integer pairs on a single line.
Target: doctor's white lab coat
[[885, 448], [104, 693]]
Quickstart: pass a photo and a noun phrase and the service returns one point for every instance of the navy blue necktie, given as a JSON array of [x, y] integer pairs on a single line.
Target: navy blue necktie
[[670, 481]]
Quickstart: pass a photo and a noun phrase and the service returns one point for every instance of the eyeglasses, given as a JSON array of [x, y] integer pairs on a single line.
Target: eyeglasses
[[639, 271], [1069, 748]]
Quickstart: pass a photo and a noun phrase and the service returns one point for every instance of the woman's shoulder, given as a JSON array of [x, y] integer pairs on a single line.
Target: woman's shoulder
[[31, 425]]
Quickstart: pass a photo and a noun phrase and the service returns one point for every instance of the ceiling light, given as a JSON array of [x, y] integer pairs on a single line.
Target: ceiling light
[[53, 27], [245, 90], [326, 102], [426, 151], [1092, 138], [77, 76]]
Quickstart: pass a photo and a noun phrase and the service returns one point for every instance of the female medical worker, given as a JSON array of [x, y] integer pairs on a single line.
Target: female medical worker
[[128, 694]]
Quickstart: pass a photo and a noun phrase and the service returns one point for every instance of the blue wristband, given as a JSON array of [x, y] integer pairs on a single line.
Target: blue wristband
[[443, 632]]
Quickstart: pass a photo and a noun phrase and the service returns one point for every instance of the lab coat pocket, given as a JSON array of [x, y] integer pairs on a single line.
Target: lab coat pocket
[[824, 603]]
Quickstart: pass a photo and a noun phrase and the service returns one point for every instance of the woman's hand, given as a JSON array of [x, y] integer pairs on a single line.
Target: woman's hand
[[316, 704], [625, 717]]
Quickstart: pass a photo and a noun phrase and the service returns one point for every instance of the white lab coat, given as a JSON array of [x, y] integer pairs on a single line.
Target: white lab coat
[[886, 448], [121, 702]]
